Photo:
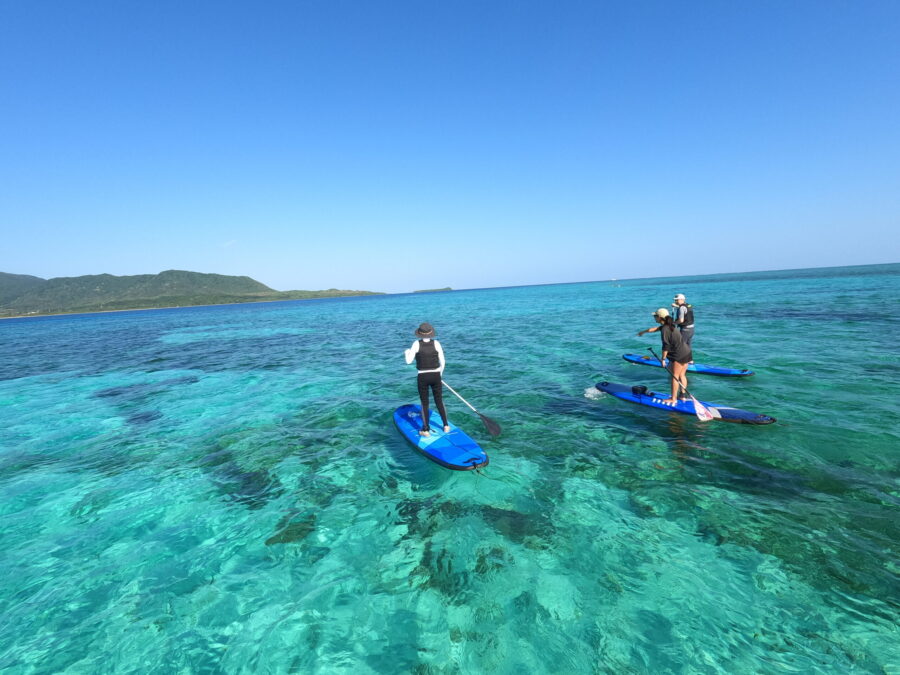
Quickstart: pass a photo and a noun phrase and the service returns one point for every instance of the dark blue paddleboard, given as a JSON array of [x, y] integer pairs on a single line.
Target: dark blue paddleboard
[[454, 450], [693, 368], [653, 399]]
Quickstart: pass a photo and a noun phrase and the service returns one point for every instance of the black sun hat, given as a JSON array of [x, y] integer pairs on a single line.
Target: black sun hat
[[425, 330]]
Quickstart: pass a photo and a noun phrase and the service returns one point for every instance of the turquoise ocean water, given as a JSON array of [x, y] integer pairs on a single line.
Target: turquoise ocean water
[[221, 489]]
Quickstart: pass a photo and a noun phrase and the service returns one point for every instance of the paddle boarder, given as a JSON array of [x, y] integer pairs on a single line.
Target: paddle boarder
[[684, 319], [675, 350], [429, 357]]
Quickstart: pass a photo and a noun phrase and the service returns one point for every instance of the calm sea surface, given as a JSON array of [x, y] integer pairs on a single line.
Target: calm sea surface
[[222, 489]]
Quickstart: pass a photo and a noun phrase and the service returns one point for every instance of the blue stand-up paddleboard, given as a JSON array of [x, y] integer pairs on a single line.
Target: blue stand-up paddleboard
[[698, 368], [653, 399], [454, 450]]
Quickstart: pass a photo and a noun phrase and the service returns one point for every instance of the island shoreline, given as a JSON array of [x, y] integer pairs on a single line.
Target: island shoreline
[[216, 304]]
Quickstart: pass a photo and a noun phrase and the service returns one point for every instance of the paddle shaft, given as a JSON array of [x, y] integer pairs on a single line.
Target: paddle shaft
[[697, 403], [459, 397], [492, 427]]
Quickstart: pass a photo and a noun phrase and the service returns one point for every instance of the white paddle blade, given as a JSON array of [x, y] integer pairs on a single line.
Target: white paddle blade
[[704, 414]]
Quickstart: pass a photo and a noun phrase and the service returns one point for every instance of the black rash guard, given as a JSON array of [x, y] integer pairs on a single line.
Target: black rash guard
[[674, 345]]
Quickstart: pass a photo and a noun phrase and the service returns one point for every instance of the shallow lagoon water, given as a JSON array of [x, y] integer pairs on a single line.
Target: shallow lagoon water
[[221, 489]]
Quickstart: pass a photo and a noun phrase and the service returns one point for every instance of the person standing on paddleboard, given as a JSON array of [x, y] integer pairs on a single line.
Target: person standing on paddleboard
[[674, 350], [429, 357], [684, 319]]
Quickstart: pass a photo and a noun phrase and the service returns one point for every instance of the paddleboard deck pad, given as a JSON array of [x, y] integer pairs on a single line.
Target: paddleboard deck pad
[[454, 450], [644, 396], [698, 368]]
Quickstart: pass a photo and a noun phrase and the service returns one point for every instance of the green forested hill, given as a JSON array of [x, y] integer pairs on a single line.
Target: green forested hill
[[14, 285], [22, 295]]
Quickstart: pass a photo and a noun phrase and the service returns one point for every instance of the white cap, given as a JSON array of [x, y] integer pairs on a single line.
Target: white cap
[[661, 313], [680, 296]]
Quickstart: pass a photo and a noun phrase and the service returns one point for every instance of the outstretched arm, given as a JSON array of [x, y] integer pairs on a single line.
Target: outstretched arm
[[649, 330]]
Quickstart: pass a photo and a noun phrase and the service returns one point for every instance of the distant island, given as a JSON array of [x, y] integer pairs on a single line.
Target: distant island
[[434, 290], [25, 295]]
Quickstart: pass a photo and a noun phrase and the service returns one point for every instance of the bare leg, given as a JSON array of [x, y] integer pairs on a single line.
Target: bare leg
[[677, 377]]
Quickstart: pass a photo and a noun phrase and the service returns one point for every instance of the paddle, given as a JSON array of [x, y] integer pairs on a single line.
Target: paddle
[[492, 427], [703, 413]]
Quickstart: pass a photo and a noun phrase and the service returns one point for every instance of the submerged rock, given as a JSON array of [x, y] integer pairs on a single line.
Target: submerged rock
[[528, 529], [144, 417], [290, 531]]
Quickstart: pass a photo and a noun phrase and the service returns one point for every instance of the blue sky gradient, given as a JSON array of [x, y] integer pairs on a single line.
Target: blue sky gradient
[[404, 145]]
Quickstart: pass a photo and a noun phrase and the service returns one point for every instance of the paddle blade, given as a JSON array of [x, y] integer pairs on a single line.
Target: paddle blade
[[492, 427], [705, 414]]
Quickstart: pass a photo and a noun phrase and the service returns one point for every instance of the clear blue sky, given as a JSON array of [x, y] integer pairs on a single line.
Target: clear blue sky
[[401, 145]]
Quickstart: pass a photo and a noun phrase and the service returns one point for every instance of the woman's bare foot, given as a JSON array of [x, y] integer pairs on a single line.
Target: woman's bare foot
[[447, 429], [424, 432], [668, 401]]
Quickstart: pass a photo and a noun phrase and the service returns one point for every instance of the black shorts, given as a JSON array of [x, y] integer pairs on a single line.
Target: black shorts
[[684, 359]]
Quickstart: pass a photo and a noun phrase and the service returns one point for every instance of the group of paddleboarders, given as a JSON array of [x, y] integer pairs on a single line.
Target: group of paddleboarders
[[677, 331]]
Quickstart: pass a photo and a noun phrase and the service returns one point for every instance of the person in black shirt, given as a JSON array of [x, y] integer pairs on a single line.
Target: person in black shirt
[[674, 351], [429, 357]]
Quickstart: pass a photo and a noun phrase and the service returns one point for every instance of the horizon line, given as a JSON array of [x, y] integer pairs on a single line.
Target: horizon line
[[482, 288], [683, 276]]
